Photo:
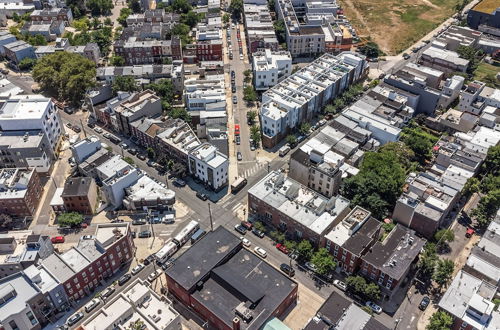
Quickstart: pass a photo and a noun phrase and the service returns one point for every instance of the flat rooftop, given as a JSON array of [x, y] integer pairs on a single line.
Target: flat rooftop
[[486, 6], [16, 290], [24, 107]]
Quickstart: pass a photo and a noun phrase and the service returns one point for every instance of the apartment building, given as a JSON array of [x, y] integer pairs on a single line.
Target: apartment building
[[80, 195], [21, 249], [85, 148], [9, 8], [23, 304], [5, 38], [49, 286], [138, 105], [52, 14], [209, 165], [424, 87], [350, 239], [147, 193], [295, 209], [83, 268], [138, 303], [144, 130], [153, 16], [49, 30], [136, 51], [469, 300], [176, 141], [31, 113], [17, 51], [26, 149], [207, 94], [476, 96], [388, 262], [115, 175], [318, 165], [259, 29], [89, 166], [484, 16], [90, 51], [209, 40], [456, 36], [300, 97], [20, 191], [269, 68], [146, 73], [453, 120], [445, 60]]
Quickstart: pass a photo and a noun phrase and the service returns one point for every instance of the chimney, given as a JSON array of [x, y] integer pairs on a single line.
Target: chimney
[[236, 323]]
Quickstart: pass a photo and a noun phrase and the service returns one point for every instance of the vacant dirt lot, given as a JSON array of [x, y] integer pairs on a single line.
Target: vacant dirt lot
[[396, 24]]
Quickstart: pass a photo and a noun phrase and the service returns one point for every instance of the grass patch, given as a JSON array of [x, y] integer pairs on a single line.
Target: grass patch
[[487, 73]]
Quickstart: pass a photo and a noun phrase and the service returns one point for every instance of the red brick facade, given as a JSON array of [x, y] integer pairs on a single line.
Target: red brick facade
[[209, 51], [27, 204]]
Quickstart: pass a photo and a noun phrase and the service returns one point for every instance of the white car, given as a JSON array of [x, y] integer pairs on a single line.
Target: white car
[[154, 275], [260, 252], [341, 285], [86, 237], [92, 304], [245, 241], [374, 307], [241, 56], [137, 269], [98, 130]]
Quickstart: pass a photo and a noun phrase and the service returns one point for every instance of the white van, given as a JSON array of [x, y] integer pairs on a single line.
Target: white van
[[91, 305], [283, 151]]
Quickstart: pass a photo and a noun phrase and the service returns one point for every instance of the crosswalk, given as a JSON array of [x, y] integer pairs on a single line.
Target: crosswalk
[[238, 208], [252, 170]]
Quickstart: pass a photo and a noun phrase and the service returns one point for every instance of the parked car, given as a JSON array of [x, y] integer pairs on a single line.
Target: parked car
[[76, 129], [144, 234], [238, 140], [282, 248], [68, 125], [73, 319], [239, 156], [107, 293], [341, 285], [150, 163], [240, 229], [92, 304], [86, 237], [106, 135], [124, 279], [98, 129], [179, 182], [57, 239], [141, 156], [154, 275], [233, 74], [149, 259], [124, 146], [90, 125], [201, 196], [285, 268], [245, 242], [406, 56], [260, 252], [132, 151], [138, 222], [168, 264], [469, 232], [312, 267], [374, 307], [235, 99], [247, 225], [137, 269], [424, 303], [258, 233]]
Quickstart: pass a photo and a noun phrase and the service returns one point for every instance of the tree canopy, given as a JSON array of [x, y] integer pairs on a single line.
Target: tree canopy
[[70, 219], [440, 320], [99, 7], [378, 184], [323, 261], [65, 76], [443, 272], [358, 285], [419, 141], [236, 8], [124, 84]]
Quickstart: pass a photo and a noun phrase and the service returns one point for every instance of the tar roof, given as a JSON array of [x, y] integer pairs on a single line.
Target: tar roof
[[360, 240], [245, 278], [77, 186], [332, 309], [395, 254], [201, 258]]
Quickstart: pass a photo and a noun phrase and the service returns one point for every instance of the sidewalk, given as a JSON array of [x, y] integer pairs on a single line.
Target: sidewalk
[[308, 303]]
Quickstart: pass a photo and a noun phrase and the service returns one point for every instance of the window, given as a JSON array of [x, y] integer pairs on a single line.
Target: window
[[32, 318], [13, 325]]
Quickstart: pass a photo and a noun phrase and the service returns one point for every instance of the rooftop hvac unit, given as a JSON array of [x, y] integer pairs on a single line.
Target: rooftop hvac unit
[[243, 312]]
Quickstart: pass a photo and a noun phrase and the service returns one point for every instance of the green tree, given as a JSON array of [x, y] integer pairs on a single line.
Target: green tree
[[356, 284], [181, 6], [124, 13], [403, 153], [134, 5], [65, 76], [378, 184], [182, 30], [124, 84], [260, 226], [225, 18], [103, 38], [291, 139], [277, 236], [129, 160], [190, 19], [427, 261], [295, 69], [443, 272], [492, 162], [117, 60], [81, 24], [27, 64], [36, 40], [487, 208], [372, 291], [305, 249], [70, 219], [280, 30], [323, 261], [99, 7], [440, 320], [291, 245], [180, 113], [96, 23], [444, 236], [251, 115], [419, 141], [163, 88], [370, 49], [330, 109], [236, 8], [255, 134], [151, 153], [305, 128], [108, 21], [249, 94]]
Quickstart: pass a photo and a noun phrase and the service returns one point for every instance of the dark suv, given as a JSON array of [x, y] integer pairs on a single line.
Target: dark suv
[[285, 268]]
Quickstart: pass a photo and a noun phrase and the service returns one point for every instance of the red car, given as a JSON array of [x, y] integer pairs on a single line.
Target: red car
[[247, 225], [57, 239], [282, 248]]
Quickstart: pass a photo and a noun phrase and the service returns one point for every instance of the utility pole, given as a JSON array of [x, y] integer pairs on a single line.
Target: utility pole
[[83, 129], [148, 218], [268, 167], [210, 214]]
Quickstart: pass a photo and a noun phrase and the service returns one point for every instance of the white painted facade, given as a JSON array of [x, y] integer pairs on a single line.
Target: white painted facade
[[209, 165], [270, 67]]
